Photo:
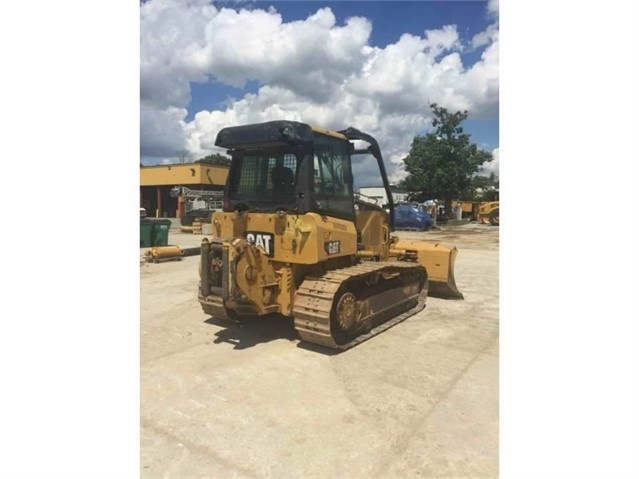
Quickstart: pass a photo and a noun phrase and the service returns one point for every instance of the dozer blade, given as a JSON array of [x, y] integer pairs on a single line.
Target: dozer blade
[[439, 261]]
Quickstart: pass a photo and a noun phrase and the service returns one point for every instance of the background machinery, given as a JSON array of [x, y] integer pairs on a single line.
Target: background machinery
[[293, 239], [480, 211], [489, 212], [198, 204]]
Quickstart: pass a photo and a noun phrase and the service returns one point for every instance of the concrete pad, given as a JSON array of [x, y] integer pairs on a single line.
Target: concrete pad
[[419, 400]]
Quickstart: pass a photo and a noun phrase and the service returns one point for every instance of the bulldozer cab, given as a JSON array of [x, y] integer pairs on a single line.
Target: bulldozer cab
[[292, 168]]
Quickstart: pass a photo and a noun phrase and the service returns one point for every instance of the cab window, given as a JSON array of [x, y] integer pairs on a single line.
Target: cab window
[[332, 178]]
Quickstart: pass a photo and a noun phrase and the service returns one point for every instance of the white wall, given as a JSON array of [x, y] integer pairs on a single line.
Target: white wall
[[375, 192], [379, 193]]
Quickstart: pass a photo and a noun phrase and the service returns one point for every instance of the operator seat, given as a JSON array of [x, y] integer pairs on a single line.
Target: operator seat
[[283, 180]]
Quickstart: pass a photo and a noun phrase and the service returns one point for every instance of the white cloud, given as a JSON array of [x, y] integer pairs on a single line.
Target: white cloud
[[491, 166], [311, 70], [441, 40], [481, 81], [493, 7], [169, 29], [490, 35], [162, 131]]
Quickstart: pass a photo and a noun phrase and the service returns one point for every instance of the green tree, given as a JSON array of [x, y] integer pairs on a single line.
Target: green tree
[[215, 159], [441, 164]]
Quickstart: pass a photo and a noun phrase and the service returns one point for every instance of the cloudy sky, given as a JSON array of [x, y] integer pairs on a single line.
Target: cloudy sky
[[372, 65]]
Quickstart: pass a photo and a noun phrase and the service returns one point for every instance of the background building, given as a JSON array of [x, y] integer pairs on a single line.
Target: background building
[[162, 187], [379, 194]]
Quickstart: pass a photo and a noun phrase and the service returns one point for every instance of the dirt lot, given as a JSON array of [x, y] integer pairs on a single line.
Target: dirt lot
[[419, 400]]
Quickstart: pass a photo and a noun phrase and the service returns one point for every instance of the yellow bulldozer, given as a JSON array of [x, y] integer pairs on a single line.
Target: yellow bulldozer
[[293, 239], [489, 212], [486, 212]]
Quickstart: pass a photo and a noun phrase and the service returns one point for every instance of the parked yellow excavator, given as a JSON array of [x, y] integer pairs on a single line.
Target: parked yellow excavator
[[293, 239]]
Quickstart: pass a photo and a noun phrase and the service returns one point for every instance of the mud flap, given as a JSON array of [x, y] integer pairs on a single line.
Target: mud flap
[[439, 261]]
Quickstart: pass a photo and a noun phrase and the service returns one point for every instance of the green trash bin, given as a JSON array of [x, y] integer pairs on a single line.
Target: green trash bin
[[160, 233], [146, 232]]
